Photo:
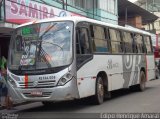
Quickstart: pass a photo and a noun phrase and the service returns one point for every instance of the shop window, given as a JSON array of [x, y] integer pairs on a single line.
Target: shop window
[[78, 3]]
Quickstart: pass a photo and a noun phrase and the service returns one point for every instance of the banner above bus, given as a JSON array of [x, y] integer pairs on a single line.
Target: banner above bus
[[22, 11]]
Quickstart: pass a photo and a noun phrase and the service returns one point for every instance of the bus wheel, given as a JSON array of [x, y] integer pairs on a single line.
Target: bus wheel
[[99, 96], [142, 85]]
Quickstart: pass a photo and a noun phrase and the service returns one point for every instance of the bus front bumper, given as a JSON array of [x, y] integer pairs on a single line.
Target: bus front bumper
[[60, 93]]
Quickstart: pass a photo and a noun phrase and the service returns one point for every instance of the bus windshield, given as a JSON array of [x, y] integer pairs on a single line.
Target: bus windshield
[[41, 46]]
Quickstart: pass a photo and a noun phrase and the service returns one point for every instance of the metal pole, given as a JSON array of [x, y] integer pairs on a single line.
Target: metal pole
[[0, 8], [153, 26], [93, 8], [126, 16], [149, 26], [63, 4], [4, 5], [66, 4]]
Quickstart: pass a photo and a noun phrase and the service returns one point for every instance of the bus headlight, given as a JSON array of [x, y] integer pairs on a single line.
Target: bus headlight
[[11, 81], [66, 78]]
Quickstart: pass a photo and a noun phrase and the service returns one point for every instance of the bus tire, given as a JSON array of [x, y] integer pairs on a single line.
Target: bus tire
[[98, 98], [142, 84]]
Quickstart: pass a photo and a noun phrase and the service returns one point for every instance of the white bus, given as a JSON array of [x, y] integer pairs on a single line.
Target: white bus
[[72, 58]]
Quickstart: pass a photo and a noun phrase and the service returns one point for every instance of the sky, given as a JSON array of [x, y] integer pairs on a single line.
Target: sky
[[132, 0]]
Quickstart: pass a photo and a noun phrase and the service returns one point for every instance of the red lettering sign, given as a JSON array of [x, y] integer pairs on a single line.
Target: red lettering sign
[[18, 11]]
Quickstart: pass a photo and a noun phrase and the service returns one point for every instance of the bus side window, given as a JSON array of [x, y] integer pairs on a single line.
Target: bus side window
[[134, 44], [116, 42], [99, 39], [93, 45], [139, 43], [78, 47], [128, 42], [82, 41], [107, 36], [147, 42]]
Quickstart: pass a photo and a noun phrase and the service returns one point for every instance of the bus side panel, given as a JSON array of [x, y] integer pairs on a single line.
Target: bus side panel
[[86, 75], [122, 71], [151, 67], [132, 65], [115, 71]]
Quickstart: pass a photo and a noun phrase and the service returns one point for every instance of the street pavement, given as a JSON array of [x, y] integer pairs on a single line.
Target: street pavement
[[122, 101]]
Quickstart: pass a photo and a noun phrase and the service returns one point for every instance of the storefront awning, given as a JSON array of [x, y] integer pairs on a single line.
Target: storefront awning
[[6, 29]]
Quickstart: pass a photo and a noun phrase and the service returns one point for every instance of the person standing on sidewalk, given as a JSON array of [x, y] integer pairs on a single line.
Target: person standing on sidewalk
[[7, 102]]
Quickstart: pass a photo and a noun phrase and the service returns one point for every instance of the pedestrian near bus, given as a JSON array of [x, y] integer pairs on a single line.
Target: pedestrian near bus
[[7, 103]]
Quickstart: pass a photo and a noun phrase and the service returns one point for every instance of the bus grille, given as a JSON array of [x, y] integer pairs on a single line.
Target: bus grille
[[38, 84], [44, 94]]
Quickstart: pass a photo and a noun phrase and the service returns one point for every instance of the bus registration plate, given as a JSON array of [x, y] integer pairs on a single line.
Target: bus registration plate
[[36, 93]]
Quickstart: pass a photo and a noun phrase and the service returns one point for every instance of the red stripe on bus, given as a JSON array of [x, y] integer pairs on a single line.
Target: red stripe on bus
[[146, 68], [26, 81]]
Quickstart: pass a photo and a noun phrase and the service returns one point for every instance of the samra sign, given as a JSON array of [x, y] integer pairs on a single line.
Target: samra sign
[[21, 11]]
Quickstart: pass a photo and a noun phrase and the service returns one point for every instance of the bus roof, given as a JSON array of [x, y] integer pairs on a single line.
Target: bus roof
[[78, 19]]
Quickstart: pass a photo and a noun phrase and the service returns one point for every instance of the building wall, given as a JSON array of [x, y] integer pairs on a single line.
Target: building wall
[[134, 21], [104, 10], [1, 10], [108, 9], [154, 7], [154, 26]]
